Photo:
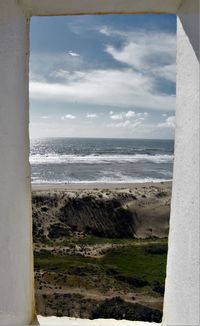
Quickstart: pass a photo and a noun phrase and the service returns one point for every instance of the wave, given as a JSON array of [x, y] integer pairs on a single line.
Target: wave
[[99, 159], [101, 181]]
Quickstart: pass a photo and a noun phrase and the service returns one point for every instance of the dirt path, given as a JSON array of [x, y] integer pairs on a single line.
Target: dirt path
[[132, 297], [93, 251]]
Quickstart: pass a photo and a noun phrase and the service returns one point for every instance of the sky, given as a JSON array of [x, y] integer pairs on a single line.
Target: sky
[[103, 76]]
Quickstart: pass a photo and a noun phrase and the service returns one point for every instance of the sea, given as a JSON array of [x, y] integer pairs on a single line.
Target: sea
[[100, 160]]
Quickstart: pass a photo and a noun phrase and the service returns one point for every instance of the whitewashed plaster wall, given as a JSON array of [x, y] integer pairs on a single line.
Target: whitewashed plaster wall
[[16, 266], [182, 285]]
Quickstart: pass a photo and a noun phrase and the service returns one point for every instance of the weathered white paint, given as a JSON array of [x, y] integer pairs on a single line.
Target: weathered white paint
[[70, 7], [182, 285], [16, 269]]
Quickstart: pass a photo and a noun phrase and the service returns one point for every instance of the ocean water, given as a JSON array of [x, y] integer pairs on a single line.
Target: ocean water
[[84, 160]]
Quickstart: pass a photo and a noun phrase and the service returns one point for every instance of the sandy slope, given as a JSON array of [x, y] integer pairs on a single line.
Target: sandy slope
[[138, 210]]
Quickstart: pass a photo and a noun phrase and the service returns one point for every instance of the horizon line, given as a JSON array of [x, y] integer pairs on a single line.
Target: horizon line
[[77, 137]]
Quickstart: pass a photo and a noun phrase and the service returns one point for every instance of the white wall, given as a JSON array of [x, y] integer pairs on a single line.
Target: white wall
[[16, 268], [16, 275], [182, 285]]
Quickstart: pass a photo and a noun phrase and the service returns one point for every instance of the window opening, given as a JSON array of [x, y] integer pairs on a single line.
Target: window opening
[[102, 92]]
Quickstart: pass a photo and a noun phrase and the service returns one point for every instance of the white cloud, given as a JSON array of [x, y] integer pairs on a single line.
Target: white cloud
[[125, 124], [169, 123], [105, 30], [167, 72], [151, 52], [91, 115], [130, 119], [130, 114], [61, 73], [104, 87], [44, 66], [122, 115], [119, 116], [73, 54], [164, 114], [68, 116], [119, 124], [136, 124], [44, 117]]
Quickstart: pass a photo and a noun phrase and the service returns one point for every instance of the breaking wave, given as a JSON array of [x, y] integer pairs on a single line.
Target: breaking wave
[[99, 159]]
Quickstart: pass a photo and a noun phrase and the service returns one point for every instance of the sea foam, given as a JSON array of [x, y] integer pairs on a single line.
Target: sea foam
[[99, 159]]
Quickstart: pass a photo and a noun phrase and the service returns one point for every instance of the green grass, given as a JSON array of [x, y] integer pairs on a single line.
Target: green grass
[[49, 262], [92, 240], [131, 260]]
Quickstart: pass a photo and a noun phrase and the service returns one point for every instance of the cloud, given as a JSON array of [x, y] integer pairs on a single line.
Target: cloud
[[91, 115], [73, 54], [125, 124], [44, 117], [108, 87], [46, 67], [135, 124], [105, 30], [68, 116], [152, 52], [130, 119], [169, 123], [147, 56], [167, 72], [119, 116], [130, 114], [119, 124]]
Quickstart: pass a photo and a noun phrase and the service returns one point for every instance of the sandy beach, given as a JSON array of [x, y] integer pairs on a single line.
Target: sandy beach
[[94, 186]]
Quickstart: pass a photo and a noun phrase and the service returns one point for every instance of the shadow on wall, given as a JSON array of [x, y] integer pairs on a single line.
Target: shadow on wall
[[190, 29], [35, 322]]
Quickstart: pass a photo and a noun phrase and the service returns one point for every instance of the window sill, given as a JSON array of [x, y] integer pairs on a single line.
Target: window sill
[[56, 321]]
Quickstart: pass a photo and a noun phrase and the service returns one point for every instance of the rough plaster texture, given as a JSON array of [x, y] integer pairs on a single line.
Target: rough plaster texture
[[67, 7], [181, 305], [182, 284], [16, 269]]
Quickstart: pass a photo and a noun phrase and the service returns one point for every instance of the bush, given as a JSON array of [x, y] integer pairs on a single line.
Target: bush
[[118, 309], [58, 231]]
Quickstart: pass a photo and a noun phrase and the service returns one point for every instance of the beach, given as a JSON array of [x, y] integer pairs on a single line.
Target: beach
[[82, 234], [95, 185]]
